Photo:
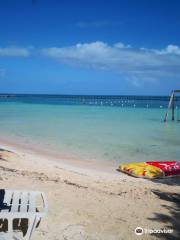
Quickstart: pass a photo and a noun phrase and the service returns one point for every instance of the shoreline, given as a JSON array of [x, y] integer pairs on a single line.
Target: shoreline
[[80, 167], [64, 161]]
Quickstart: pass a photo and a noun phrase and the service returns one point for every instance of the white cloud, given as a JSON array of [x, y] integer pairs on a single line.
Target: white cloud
[[14, 52], [170, 49], [137, 65], [173, 49], [121, 45]]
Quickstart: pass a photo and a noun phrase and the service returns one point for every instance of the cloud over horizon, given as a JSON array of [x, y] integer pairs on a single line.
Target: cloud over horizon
[[11, 51], [135, 64]]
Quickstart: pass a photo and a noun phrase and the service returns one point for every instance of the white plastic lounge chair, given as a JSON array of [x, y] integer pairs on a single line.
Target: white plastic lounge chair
[[21, 212], [9, 237]]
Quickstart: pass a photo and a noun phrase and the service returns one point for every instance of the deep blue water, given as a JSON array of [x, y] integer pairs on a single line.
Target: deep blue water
[[100, 100]]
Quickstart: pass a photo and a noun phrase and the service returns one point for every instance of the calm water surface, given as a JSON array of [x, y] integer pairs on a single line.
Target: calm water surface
[[92, 128]]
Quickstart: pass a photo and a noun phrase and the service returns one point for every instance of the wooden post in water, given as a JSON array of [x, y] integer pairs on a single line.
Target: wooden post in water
[[171, 105]]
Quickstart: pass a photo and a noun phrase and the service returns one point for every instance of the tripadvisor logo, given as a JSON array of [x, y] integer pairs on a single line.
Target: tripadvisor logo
[[139, 231]]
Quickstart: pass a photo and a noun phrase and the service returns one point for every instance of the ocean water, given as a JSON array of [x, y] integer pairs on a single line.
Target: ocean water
[[110, 129]]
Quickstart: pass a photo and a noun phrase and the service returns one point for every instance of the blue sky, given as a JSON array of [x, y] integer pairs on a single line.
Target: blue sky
[[89, 47]]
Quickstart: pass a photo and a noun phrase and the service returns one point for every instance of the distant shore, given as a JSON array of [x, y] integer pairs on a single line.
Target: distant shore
[[86, 203]]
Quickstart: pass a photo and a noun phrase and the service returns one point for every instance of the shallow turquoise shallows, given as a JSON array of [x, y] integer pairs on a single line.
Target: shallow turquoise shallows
[[93, 130]]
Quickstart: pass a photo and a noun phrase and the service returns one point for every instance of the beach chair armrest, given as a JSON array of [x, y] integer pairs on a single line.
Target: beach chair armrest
[[45, 204]]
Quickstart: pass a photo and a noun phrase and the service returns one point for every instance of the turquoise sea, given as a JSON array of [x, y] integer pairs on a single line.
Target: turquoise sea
[[93, 128]]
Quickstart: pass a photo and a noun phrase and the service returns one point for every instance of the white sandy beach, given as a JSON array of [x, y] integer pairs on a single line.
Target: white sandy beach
[[90, 204]]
